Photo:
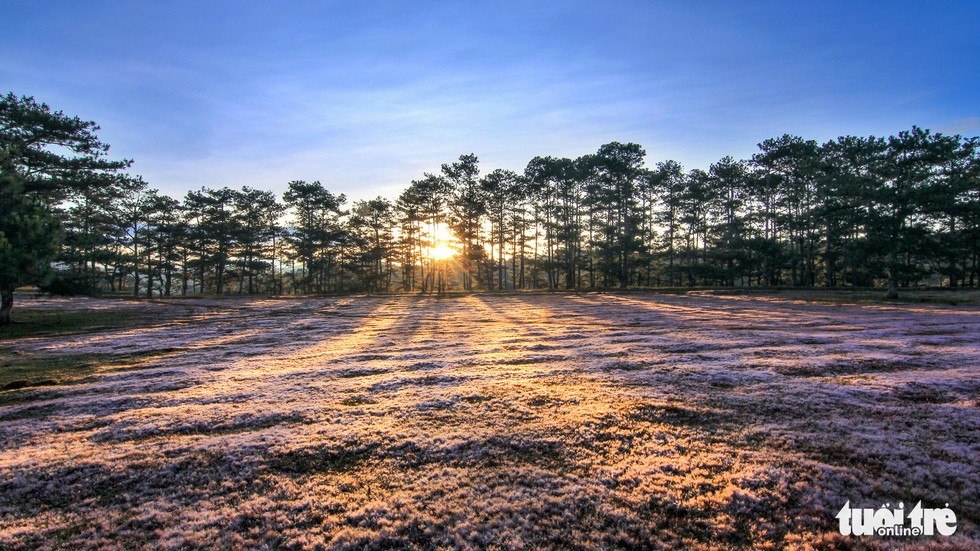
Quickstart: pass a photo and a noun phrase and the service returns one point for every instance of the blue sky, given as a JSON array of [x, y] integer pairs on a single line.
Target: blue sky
[[366, 96]]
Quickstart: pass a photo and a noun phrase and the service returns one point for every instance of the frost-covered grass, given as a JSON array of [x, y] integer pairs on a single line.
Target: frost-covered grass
[[507, 421]]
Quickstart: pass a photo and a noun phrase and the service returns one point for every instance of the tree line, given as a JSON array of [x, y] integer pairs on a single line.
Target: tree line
[[891, 211]]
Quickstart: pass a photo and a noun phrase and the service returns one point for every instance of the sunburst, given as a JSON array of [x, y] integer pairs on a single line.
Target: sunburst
[[441, 250]]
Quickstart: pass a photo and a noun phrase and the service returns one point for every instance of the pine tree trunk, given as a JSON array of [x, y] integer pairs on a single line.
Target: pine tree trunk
[[6, 305], [892, 276]]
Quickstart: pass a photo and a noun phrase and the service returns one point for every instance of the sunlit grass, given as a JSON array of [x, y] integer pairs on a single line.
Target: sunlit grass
[[592, 420]]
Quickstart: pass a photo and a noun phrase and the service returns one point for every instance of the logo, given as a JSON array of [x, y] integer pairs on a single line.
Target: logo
[[886, 521]]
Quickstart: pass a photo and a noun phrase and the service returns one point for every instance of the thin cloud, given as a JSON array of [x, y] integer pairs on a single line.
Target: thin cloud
[[967, 125], [366, 96]]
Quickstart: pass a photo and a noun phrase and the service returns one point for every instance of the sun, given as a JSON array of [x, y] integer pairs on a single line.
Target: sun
[[441, 244], [441, 251]]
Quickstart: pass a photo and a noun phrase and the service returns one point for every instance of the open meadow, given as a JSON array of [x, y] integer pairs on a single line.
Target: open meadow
[[498, 420]]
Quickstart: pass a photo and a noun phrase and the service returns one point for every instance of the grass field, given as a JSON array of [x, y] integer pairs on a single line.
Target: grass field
[[505, 421]]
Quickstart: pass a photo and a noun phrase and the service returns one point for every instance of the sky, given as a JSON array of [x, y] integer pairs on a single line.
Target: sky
[[367, 96]]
